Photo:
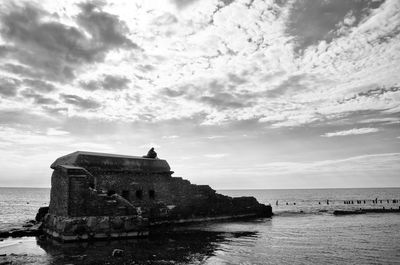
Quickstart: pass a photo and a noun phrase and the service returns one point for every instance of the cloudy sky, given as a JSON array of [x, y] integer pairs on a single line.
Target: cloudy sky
[[234, 94]]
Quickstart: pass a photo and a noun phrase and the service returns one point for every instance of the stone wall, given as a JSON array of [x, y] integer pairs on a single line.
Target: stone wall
[[59, 193], [94, 227], [158, 195]]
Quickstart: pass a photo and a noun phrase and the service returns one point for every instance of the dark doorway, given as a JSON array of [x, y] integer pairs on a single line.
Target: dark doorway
[[139, 194], [125, 194], [152, 194]]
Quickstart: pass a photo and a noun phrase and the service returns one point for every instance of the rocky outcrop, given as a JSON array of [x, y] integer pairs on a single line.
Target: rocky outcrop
[[41, 213]]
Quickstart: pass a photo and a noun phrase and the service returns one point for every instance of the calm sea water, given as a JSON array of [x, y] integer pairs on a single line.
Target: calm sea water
[[302, 232]]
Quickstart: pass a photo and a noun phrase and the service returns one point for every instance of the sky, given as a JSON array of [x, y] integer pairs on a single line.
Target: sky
[[246, 94]]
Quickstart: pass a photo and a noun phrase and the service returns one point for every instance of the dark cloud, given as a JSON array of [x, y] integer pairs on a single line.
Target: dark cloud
[[172, 93], [236, 79], [108, 82], [376, 92], [115, 82], [38, 98], [9, 87], [54, 50], [106, 29], [183, 3], [80, 102], [214, 94], [312, 21], [22, 117], [39, 85], [146, 68], [21, 70], [227, 2], [55, 111], [225, 101]]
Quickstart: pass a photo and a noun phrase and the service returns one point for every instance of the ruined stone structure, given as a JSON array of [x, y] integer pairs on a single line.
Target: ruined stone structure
[[96, 195]]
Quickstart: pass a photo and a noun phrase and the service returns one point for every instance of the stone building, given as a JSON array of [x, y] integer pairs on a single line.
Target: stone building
[[97, 195]]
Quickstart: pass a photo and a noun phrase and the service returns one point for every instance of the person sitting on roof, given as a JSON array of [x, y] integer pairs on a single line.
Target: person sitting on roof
[[151, 154]]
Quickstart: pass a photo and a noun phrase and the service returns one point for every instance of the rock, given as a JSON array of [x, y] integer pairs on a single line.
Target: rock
[[4, 234], [343, 212], [25, 232], [117, 253], [41, 213]]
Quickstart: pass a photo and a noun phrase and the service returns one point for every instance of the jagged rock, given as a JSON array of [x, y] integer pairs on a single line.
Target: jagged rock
[[41, 213]]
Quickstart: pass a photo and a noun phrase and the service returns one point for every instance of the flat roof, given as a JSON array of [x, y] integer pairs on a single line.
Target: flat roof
[[87, 159]]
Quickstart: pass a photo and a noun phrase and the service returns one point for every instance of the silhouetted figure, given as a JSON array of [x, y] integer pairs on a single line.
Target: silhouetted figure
[[327, 202], [287, 203], [151, 153], [277, 203]]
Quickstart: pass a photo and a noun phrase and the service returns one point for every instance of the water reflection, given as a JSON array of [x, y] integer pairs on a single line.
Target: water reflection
[[172, 247]]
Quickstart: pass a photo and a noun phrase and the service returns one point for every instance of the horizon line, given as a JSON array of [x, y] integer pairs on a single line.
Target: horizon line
[[222, 189]]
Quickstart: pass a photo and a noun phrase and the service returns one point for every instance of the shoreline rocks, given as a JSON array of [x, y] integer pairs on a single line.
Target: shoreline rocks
[[27, 229], [364, 211]]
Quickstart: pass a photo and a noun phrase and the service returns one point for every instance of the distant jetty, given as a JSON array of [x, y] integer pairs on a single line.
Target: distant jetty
[[97, 196], [363, 211]]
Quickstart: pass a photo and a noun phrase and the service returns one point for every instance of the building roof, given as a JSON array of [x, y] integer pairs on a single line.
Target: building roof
[[92, 159]]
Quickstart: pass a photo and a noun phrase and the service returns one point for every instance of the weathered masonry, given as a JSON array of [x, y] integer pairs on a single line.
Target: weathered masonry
[[96, 195]]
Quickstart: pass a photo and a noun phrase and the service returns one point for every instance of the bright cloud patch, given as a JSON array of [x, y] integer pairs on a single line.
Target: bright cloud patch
[[354, 131], [215, 155]]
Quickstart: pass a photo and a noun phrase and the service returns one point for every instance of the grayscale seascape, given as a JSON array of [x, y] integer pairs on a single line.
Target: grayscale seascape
[[199, 132], [314, 236]]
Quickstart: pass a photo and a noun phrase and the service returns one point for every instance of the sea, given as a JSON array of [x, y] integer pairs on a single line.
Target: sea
[[303, 230]]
